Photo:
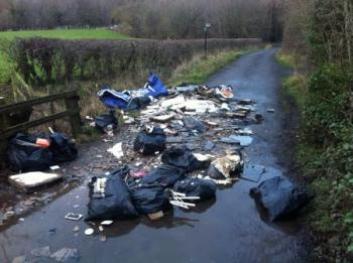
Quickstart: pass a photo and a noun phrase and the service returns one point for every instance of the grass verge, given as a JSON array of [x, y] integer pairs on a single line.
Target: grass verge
[[324, 156], [199, 69], [87, 33]]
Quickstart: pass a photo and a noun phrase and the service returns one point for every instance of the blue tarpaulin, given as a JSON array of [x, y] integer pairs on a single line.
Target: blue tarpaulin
[[115, 99]]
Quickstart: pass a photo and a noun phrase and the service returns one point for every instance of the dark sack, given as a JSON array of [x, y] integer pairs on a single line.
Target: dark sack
[[104, 120], [280, 197], [149, 143], [150, 199], [22, 157], [205, 189], [183, 158], [116, 203], [164, 175], [62, 147]]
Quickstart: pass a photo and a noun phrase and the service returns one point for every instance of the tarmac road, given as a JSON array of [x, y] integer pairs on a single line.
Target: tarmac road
[[229, 229]]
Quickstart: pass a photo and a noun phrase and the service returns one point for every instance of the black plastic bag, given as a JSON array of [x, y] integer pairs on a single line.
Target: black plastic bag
[[280, 197], [62, 147], [22, 157], [183, 158], [205, 189], [150, 199], [116, 203], [139, 103], [148, 143], [164, 175], [104, 120]]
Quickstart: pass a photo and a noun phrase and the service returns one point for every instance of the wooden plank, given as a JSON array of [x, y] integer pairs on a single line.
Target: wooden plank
[[17, 106], [23, 126]]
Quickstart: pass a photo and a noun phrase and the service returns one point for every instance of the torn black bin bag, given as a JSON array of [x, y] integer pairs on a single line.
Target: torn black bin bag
[[111, 199], [104, 120], [183, 158], [280, 197], [205, 189], [164, 175], [150, 199], [22, 156], [62, 147], [149, 142]]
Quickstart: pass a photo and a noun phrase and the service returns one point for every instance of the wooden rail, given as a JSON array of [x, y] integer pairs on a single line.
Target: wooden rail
[[72, 112]]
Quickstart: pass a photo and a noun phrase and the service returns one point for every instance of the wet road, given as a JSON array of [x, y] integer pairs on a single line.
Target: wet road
[[229, 229]]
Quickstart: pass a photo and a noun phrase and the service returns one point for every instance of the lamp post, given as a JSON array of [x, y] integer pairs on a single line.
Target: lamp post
[[205, 29]]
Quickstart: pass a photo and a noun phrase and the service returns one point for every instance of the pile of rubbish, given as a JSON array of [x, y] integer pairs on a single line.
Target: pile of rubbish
[[185, 143], [175, 136]]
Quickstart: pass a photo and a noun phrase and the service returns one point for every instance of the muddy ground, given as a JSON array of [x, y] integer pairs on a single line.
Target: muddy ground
[[228, 229]]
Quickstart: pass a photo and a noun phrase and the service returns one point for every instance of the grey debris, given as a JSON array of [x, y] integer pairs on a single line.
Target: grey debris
[[66, 254], [209, 146], [238, 139], [41, 252]]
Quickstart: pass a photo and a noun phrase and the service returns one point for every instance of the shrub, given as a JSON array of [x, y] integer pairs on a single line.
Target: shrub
[[42, 61]]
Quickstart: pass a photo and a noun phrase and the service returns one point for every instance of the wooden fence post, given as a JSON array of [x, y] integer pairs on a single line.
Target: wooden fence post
[[74, 109], [3, 141]]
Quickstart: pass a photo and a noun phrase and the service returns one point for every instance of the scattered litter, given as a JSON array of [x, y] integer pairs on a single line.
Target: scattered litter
[[271, 110], [209, 146], [107, 222], [211, 123], [128, 120], [225, 107], [225, 167], [54, 167], [242, 140], [117, 150], [89, 231], [65, 255], [41, 252], [162, 118], [224, 92], [155, 216], [73, 216], [186, 89], [31, 180]]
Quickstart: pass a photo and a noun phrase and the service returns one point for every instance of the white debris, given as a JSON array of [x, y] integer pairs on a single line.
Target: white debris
[[54, 167], [117, 150], [33, 179], [89, 231], [107, 222], [65, 255]]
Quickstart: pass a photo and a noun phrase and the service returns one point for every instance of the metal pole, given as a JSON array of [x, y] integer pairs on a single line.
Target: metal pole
[[206, 44]]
